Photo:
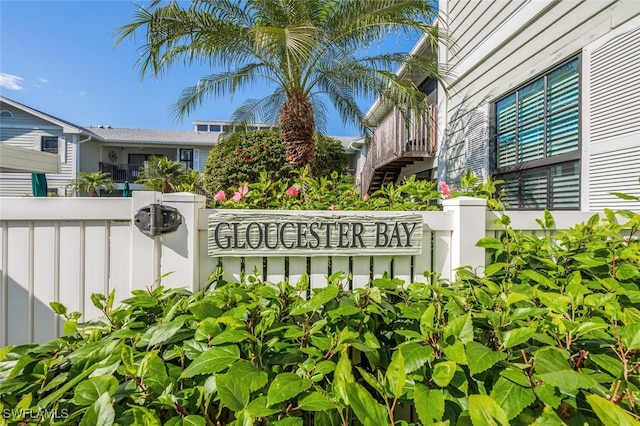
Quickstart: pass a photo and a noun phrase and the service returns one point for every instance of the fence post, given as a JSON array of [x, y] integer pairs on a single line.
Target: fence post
[[181, 249], [145, 250], [468, 228]]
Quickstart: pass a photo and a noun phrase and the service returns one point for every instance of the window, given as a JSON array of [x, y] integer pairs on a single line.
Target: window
[[214, 128], [202, 128], [49, 144], [6, 114], [537, 141], [186, 157]]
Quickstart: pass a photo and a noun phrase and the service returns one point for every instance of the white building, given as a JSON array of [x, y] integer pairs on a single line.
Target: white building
[[544, 95]]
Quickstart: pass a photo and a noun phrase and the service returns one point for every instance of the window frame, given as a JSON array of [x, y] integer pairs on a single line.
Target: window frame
[[187, 163], [50, 140], [546, 163]]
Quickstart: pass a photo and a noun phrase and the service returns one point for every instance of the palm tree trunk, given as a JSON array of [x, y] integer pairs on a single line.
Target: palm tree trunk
[[297, 127]]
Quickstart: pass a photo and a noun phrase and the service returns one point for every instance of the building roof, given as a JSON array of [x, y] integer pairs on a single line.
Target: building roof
[[67, 127], [125, 135]]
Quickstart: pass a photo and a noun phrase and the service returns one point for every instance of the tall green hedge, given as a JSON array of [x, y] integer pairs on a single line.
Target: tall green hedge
[[241, 157]]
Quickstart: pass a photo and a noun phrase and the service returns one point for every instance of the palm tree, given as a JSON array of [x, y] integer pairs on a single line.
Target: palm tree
[[92, 183], [310, 51], [162, 174]]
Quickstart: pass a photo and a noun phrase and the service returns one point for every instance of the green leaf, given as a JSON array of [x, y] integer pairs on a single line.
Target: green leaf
[[70, 327], [342, 376], [259, 408], [512, 397], [58, 308], [205, 308], [315, 401], [101, 413], [89, 391], [549, 395], [365, 407], [490, 243], [516, 376], [608, 363], [548, 418], [443, 373], [550, 360], [485, 411], [630, 336], [455, 352], [429, 403], [190, 420], [426, 321], [481, 358], [461, 327], [538, 277], [493, 268], [415, 355], [610, 413], [153, 372], [144, 416], [517, 336], [395, 375], [567, 380], [212, 361], [624, 196], [231, 336], [289, 421], [286, 386], [626, 271], [249, 374], [233, 392], [161, 333]]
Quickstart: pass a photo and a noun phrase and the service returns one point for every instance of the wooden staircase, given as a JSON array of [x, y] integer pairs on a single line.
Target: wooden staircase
[[394, 146]]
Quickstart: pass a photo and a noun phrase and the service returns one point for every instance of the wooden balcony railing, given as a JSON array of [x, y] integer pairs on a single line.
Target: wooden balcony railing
[[121, 172], [394, 145]]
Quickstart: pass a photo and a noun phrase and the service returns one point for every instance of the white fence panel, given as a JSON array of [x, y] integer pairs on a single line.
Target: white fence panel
[[59, 250], [68, 248]]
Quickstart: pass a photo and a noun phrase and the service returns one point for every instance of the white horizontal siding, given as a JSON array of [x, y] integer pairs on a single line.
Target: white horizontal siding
[[614, 171], [514, 42]]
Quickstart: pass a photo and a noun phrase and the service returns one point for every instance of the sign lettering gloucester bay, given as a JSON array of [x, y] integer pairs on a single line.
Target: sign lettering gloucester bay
[[305, 233]]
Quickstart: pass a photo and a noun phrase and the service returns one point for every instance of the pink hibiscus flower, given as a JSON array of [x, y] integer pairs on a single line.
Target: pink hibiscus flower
[[241, 192], [220, 196], [292, 191], [444, 188]]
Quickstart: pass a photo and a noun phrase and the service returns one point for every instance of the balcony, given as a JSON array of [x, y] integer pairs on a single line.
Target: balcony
[[121, 172], [394, 145]]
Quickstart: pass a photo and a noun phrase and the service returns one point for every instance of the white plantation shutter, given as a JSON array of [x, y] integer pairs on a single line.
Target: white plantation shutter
[[196, 159]]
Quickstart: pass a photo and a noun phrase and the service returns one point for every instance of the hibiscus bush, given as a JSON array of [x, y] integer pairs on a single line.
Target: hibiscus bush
[[242, 156], [337, 192]]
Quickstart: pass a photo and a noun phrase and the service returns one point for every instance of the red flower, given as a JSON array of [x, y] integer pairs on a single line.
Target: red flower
[[241, 192], [292, 191], [247, 159], [444, 188]]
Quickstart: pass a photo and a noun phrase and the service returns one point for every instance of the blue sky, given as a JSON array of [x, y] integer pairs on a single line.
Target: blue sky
[[59, 57]]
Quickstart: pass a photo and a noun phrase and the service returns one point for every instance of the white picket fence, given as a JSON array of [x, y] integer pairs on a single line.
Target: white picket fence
[[65, 249]]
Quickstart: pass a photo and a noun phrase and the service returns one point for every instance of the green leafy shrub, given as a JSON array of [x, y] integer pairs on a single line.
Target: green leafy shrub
[[242, 156], [550, 334], [337, 192]]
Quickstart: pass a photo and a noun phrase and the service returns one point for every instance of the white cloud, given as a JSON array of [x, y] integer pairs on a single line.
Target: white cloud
[[10, 81], [43, 80]]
